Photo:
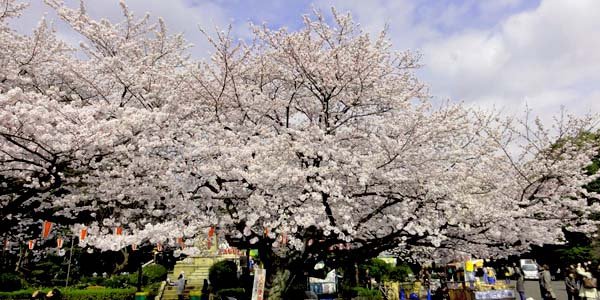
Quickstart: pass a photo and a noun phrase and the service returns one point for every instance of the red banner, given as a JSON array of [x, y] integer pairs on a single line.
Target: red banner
[[59, 243], [46, 228], [119, 230], [31, 244], [82, 234]]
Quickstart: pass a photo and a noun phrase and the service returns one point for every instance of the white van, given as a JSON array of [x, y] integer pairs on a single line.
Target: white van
[[530, 269]]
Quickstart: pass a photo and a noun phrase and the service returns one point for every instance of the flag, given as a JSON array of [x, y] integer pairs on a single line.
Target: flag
[[46, 228], [82, 233], [59, 243], [30, 244]]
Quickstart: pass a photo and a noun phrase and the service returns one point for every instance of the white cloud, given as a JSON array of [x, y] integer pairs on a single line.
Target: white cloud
[[548, 55]]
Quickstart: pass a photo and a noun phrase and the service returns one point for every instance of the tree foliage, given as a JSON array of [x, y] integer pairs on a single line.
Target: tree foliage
[[312, 145]]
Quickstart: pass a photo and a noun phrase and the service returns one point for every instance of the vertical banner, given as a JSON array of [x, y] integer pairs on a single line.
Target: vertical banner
[[258, 289], [83, 234], [46, 228], [59, 242]]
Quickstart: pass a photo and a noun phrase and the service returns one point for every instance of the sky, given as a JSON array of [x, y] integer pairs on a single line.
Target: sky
[[504, 54]]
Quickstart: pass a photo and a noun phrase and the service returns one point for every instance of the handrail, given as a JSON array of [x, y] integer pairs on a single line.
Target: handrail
[[161, 290]]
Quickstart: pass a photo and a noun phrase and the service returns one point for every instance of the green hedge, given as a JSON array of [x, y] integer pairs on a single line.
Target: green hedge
[[74, 294], [238, 293]]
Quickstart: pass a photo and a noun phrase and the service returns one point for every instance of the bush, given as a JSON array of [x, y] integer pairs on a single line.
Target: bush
[[223, 275], [153, 273], [10, 282], [75, 294], [367, 294], [117, 281], [237, 293]]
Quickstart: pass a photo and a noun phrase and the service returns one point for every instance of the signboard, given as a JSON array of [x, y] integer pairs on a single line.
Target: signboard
[[258, 289]]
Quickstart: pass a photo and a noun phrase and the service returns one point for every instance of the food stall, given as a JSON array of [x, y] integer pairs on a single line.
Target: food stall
[[478, 288]]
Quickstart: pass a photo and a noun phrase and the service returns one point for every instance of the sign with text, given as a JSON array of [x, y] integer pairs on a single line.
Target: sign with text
[[258, 289]]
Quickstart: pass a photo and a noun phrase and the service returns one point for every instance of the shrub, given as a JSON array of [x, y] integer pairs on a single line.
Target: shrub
[[223, 275], [75, 294], [367, 294], [117, 281], [153, 273], [10, 282], [237, 293]]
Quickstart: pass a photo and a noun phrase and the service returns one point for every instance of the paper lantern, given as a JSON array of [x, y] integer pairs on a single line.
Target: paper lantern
[[59, 243], [31, 244], [46, 228], [82, 233]]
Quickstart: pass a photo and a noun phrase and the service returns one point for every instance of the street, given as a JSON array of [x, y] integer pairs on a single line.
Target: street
[[532, 289]]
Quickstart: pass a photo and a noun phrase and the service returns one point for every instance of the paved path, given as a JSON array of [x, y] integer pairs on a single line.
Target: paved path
[[532, 289]]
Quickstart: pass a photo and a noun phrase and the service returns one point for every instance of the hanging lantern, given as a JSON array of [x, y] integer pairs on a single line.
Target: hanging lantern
[[181, 242], [211, 233], [31, 244], [283, 239], [82, 234], [119, 230], [59, 243], [46, 228], [134, 247]]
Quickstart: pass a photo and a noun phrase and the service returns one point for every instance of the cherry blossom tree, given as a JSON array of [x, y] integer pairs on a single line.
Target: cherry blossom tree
[[316, 145]]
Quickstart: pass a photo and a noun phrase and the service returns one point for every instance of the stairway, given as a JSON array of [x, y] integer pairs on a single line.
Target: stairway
[[195, 271]]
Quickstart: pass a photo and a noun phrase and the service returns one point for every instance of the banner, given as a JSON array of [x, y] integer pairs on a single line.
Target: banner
[[46, 228], [59, 243], [119, 230], [258, 289]]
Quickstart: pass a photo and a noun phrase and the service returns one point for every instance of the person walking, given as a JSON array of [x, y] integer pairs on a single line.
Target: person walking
[[180, 283], [520, 284], [546, 282]]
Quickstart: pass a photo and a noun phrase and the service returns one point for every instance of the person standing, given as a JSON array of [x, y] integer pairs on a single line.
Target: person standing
[[546, 283], [180, 283], [571, 286], [587, 291], [520, 283]]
